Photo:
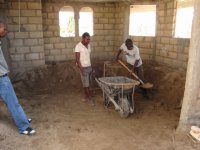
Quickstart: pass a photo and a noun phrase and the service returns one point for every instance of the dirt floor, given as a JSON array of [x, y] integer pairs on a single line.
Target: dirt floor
[[51, 96]]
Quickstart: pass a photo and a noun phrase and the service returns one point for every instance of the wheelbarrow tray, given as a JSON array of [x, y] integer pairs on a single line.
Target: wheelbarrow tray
[[119, 82]]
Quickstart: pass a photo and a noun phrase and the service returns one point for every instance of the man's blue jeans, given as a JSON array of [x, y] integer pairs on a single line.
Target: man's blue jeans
[[9, 97]]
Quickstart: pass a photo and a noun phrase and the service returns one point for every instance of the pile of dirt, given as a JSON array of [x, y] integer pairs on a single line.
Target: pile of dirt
[[169, 83], [63, 77]]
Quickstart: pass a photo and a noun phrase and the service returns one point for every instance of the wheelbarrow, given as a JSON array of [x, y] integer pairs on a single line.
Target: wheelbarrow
[[120, 91]]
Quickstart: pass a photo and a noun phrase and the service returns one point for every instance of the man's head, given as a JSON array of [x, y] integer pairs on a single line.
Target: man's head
[[86, 38], [129, 44], [3, 29]]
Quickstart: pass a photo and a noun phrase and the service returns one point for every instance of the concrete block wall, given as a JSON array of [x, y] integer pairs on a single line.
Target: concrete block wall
[[61, 48], [35, 39], [163, 48], [25, 34], [169, 50]]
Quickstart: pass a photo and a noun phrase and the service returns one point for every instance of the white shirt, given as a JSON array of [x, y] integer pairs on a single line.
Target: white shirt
[[131, 55], [84, 54]]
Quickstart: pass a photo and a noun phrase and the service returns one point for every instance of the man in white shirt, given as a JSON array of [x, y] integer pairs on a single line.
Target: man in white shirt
[[82, 55], [133, 59]]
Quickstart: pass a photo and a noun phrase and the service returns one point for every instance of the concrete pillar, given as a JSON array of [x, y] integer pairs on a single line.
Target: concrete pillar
[[190, 108]]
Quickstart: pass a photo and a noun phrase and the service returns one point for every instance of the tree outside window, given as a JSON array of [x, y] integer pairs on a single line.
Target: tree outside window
[[66, 22]]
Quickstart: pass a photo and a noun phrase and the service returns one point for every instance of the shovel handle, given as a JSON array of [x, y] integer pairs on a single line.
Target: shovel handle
[[131, 72]]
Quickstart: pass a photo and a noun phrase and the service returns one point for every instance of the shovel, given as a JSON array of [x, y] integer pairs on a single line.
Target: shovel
[[144, 85]]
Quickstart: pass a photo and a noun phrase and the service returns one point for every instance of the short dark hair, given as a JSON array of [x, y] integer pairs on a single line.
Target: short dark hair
[[129, 42], [85, 34]]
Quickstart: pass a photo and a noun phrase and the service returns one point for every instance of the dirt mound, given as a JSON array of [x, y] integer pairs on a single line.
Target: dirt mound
[[63, 77]]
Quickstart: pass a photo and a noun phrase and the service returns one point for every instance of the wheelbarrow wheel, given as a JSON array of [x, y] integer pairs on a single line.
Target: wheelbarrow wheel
[[124, 105]]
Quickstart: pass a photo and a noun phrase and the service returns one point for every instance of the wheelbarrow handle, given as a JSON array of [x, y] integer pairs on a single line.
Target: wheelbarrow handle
[[131, 72]]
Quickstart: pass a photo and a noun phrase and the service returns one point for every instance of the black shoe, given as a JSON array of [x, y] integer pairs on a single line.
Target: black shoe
[[29, 131], [29, 120]]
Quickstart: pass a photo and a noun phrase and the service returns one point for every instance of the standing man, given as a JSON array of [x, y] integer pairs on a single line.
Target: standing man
[[8, 95], [134, 61], [82, 55]]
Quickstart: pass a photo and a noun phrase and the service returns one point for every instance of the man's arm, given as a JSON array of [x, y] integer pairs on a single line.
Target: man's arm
[[119, 52], [77, 56], [136, 63]]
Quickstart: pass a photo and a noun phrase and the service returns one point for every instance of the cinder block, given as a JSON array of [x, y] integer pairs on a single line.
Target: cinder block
[[161, 6], [170, 12], [22, 50], [48, 46], [172, 55], [36, 63], [52, 15], [21, 35], [25, 64], [161, 13], [163, 53], [40, 41], [49, 58], [183, 57], [103, 20], [29, 27], [32, 56], [39, 13], [144, 44], [35, 20], [36, 49], [165, 40], [16, 42], [98, 26], [55, 52], [109, 15], [28, 13], [54, 40], [109, 49], [103, 43], [34, 5], [60, 57], [41, 55], [108, 26], [13, 28], [169, 47], [23, 20], [36, 34], [170, 5], [12, 13], [98, 15], [17, 57], [59, 45], [10, 35], [30, 42], [70, 45], [173, 41], [15, 5]]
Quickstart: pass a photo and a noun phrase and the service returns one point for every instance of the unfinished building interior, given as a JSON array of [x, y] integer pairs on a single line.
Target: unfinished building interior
[[39, 50]]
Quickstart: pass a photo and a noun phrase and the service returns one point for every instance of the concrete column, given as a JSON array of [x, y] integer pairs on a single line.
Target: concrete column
[[190, 108]]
